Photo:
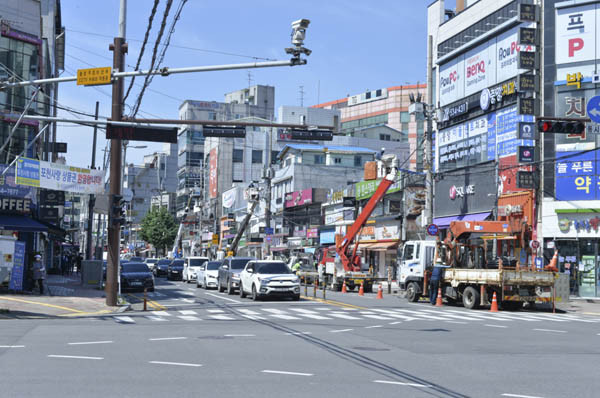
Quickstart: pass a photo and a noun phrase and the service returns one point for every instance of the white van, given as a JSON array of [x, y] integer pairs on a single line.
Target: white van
[[191, 267]]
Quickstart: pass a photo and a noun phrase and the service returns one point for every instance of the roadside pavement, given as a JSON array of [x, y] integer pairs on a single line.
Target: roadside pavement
[[64, 296]]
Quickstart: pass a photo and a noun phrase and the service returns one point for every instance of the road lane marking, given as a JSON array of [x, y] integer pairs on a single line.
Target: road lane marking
[[124, 319], [74, 357], [221, 317], [395, 323], [373, 327], [188, 312], [161, 313], [309, 314], [340, 330], [384, 318], [519, 396], [495, 326], [297, 333], [12, 346], [189, 318], [426, 316], [240, 335], [188, 300], [287, 373], [342, 316], [195, 365], [92, 342], [156, 318], [465, 318], [224, 298], [401, 383], [551, 330], [167, 338], [336, 303], [458, 322], [215, 311]]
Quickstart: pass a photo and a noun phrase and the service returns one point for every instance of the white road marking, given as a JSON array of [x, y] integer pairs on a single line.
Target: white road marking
[[349, 309], [395, 323], [195, 365], [401, 383], [167, 338], [495, 326], [156, 318], [551, 330], [287, 317], [188, 300], [124, 319], [189, 318], [396, 315], [12, 346], [161, 313], [343, 316], [372, 327], [340, 330], [465, 318], [385, 318], [248, 312], [309, 314], [240, 335], [188, 312], [519, 396], [215, 311], [481, 315], [323, 308], [426, 316], [297, 333], [287, 373], [224, 298], [279, 314], [458, 322], [92, 342], [73, 357], [221, 317]]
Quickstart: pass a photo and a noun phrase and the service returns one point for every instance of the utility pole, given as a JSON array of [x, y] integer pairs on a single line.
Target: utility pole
[[268, 188], [429, 110], [92, 201], [119, 48]]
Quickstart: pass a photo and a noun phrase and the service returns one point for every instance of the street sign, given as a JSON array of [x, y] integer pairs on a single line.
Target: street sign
[[539, 262], [215, 239], [269, 231], [432, 230], [154, 134], [52, 198], [94, 76], [526, 154], [593, 109], [534, 244], [319, 135], [526, 131], [525, 179], [593, 128]]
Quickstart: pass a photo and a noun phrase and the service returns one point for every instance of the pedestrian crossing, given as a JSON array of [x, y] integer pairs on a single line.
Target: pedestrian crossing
[[398, 315]]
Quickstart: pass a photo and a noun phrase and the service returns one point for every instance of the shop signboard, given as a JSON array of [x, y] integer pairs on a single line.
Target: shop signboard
[[299, 198], [229, 198], [52, 198], [327, 237], [312, 233], [480, 67], [577, 176], [573, 104], [451, 83], [576, 34], [367, 233], [300, 233], [49, 214], [212, 174], [28, 172], [18, 269], [366, 189], [387, 232], [465, 191], [15, 205], [9, 187]]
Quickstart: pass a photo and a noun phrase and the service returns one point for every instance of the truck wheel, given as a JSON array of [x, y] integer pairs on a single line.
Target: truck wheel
[[471, 298], [412, 292]]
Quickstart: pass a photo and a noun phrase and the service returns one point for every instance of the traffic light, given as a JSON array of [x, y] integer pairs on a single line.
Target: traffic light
[[560, 127], [526, 180], [117, 213], [311, 135]]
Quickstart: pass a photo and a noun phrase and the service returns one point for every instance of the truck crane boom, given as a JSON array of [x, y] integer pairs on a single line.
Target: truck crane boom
[[243, 226]]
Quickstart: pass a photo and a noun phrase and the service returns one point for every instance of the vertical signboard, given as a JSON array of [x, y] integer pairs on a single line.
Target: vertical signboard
[[452, 81], [576, 34], [212, 177], [16, 275]]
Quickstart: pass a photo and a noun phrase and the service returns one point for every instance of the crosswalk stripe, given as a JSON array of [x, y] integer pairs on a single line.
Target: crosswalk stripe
[[221, 317], [189, 318], [156, 318], [161, 313], [426, 316], [124, 319], [396, 315], [481, 315], [215, 311], [377, 317], [309, 314], [188, 300], [282, 316], [188, 312], [466, 318], [342, 316], [254, 317]]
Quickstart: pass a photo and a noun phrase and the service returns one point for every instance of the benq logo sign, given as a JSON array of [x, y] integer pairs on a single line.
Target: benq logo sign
[[476, 69]]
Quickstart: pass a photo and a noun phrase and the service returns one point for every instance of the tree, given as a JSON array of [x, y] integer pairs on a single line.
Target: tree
[[159, 228]]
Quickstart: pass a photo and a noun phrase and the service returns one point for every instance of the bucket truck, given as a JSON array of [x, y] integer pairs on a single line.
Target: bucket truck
[[253, 197]]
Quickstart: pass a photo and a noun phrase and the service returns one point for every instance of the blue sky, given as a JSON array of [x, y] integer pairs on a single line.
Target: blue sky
[[356, 46]]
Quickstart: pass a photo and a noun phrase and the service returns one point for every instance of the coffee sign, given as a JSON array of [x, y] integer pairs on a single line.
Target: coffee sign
[[15, 205]]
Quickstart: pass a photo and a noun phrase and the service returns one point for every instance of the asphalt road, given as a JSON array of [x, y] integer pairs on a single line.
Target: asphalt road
[[194, 342]]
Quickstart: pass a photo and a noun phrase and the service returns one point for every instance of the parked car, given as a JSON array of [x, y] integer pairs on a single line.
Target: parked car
[[175, 270], [151, 262], [207, 274], [136, 276], [229, 273], [191, 267], [161, 268], [262, 278]]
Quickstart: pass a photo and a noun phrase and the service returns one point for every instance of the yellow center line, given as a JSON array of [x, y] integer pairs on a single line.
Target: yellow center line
[[335, 303], [60, 307], [87, 313]]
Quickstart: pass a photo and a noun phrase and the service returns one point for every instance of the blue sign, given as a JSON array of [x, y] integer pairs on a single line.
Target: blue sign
[[577, 176], [268, 231], [16, 276], [432, 230], [9, 187], [539, 262], [593, 109]]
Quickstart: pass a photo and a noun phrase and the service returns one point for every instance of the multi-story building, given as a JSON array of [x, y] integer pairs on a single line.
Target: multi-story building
[[383, 114]]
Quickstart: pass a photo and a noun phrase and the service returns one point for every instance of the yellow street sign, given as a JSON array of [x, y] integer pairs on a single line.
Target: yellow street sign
[[215, 239], [94, 76]]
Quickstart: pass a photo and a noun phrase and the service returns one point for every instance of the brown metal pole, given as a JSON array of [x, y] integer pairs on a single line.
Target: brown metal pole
[[119, 48], [92, 200]]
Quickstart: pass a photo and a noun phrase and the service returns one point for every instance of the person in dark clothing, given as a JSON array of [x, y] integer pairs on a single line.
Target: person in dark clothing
[[39, 272], [78, 261], [434, 283]]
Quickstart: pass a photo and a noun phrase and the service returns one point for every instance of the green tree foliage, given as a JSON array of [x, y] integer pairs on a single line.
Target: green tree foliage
[[159, 228]]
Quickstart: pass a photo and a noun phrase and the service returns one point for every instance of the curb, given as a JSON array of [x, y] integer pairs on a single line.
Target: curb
[[123, 308]]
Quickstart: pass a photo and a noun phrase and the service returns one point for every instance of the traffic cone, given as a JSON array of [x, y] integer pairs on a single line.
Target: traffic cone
[[380, 292], [361, 290], [438, 301], [494, 307], [553, 262], [344, 290]]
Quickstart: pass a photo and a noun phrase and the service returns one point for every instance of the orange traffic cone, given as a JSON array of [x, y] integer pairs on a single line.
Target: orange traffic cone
[[380, 292], [438, 301], [361, 290], [494, 307], [553, 262], [344, 290]]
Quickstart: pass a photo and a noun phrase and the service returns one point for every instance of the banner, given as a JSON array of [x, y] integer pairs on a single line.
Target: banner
[[71, 179], [16, 275], [212, 176], [28, 172], [9, 187]]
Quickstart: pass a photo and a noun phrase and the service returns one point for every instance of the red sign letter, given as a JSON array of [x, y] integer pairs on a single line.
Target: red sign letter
[[575, 45]]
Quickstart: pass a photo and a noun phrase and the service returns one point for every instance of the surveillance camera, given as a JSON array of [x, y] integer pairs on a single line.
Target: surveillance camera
[[300, 23]]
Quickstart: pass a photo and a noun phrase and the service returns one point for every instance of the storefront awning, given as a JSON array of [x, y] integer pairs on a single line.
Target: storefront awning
[[21, 224], [382, 246], [444, 222]]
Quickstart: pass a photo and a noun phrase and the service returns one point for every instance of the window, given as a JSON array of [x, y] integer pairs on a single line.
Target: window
[[404, 117], [368, 95], [274, 159], [378, 93], [337, 160], [238, 155], [257, 156], [212, 116], [288, 162], [408, 252], [385, 137], [357, 161], [319, 159]]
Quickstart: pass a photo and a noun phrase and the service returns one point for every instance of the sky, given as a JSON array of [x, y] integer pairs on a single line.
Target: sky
[[356, 46]]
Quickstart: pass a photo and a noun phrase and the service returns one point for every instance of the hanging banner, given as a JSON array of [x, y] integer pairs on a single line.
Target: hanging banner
[[212, 176], [28, 172], [16, 275], [71, 179]]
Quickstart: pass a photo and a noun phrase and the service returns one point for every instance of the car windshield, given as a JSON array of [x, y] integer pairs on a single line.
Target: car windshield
[[177, 263], [239, 263], [196, 262], [164, 262], [271, 268], [135, 267], [213, 265], [151, 260]]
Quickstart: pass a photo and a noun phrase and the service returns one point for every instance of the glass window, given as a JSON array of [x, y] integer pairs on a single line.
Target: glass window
[[238, 155], [271, 268], [337, 160], [408, 252], [319, 159], [378, 93], [385, 137], [357, 160], [274, 159], [257, 156], [404, 117]]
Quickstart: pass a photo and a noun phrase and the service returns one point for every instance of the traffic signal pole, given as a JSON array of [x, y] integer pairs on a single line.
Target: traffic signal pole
[[119, 48]]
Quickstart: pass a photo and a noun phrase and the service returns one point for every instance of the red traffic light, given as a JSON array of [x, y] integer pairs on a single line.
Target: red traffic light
[[560, 126]]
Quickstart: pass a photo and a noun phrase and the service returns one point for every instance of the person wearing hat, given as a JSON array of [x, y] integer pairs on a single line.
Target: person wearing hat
[[39, 272]]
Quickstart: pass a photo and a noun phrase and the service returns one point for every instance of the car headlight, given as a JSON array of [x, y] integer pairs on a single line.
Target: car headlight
[[235, 276], [296, 280], [263, 281]]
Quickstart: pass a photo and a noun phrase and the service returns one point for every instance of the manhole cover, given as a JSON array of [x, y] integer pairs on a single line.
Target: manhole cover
[[371, 349]]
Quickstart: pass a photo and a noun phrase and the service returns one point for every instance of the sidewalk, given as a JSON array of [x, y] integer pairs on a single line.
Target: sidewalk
[[63, 297]]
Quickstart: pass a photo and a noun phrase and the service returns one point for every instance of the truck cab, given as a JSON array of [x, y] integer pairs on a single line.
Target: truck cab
[[414, 258]]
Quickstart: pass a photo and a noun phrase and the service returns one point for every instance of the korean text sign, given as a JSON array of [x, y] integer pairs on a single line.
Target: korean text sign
[[72, 179], [577, 176]]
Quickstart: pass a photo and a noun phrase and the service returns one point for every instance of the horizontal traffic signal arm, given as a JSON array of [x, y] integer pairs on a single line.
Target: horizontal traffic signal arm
[[561, 126]]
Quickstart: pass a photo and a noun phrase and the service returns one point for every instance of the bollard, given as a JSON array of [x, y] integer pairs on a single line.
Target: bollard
[[145, 299], [324, 289], [316, 285], [306, 287]]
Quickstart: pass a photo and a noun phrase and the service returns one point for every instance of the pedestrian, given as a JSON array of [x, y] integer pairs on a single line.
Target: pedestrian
[[434, 283], [296, 267], [65, 265], [39, 272], [78, 260]]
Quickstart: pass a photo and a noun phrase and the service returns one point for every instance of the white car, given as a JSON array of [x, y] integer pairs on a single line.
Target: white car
[[262, 278], [208, 274], [151, 262], [191, 267]]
